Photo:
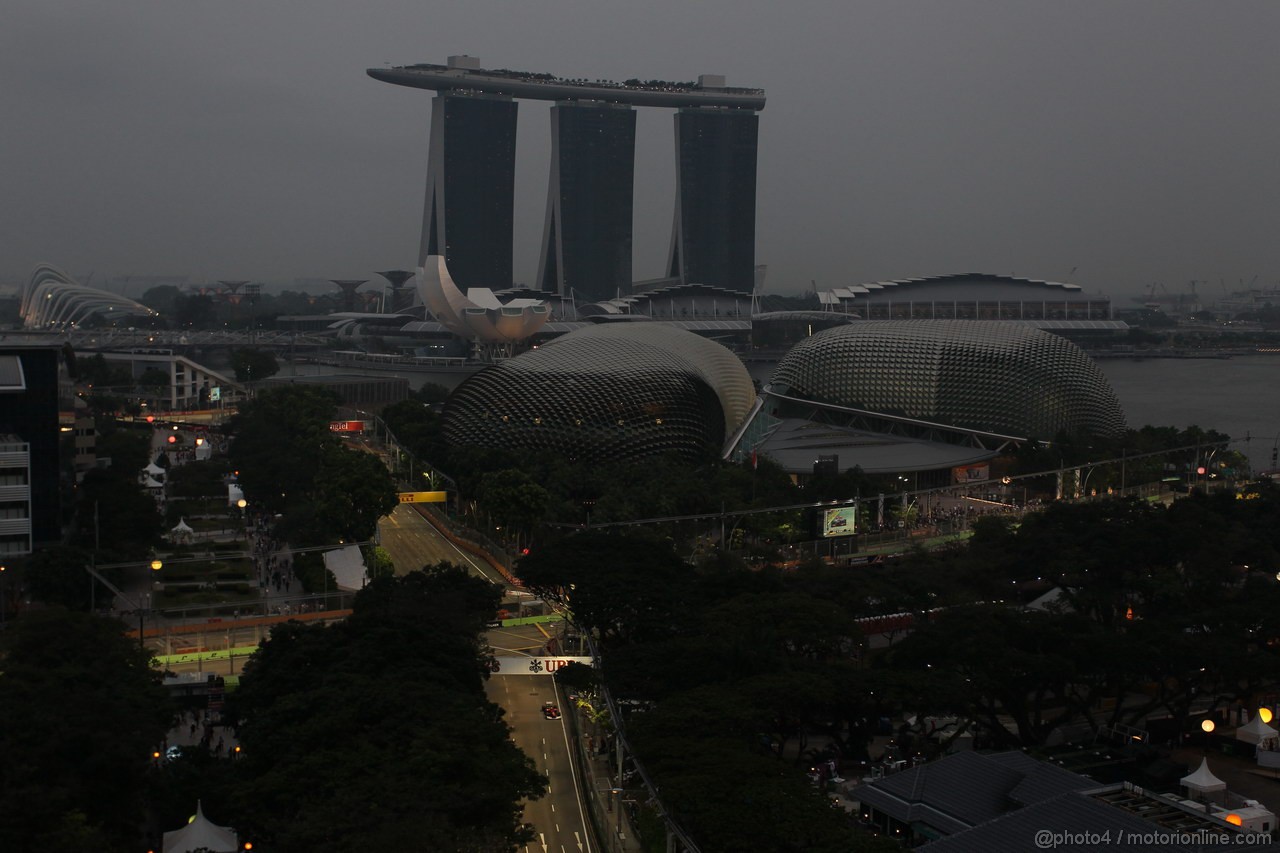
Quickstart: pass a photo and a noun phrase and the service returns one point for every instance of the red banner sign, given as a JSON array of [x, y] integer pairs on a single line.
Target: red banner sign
[[346, 426]]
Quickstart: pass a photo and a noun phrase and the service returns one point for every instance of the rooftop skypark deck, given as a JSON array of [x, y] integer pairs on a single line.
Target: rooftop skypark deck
[[709, 91]]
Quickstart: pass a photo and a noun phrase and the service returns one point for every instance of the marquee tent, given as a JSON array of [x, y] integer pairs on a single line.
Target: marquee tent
[[201, 834], [1203, 781], [1256, 731]]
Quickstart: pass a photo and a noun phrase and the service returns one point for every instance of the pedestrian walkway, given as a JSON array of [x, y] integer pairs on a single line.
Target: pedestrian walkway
[[200, 729], [611, 802]]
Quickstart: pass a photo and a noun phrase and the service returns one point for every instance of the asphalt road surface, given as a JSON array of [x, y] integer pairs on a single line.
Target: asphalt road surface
[[413, 543], [558, 818]]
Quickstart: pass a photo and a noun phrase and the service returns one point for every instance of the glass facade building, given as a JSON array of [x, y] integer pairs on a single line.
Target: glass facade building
[[587, 239], [471, 174], [586, 246], [713, 240]]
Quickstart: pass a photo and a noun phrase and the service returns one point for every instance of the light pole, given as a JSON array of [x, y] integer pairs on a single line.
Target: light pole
[[617, 813], [156, 565]]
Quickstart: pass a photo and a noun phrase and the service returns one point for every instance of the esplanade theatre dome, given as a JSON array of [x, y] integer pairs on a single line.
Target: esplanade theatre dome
[[614, 391], [997, 377]]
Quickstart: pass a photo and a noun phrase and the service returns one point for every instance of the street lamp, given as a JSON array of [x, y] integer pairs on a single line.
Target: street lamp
[[156, 565], [617, 812]]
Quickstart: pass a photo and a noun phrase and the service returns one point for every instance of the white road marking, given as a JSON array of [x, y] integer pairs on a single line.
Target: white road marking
[[577, 789]]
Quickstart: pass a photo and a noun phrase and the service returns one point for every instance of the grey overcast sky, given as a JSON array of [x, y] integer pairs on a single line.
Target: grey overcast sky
[[1113, 143]]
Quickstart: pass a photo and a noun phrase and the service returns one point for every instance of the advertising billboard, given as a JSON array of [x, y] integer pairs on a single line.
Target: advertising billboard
[[510, 665], [423, 497], [971, 474], [346, 426], [842, 521]]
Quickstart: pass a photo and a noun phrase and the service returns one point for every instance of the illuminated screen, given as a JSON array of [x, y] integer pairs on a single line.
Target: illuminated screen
[[839, 522]]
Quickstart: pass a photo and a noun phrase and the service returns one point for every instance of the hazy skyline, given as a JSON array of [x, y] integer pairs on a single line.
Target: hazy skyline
[[1113, 143]]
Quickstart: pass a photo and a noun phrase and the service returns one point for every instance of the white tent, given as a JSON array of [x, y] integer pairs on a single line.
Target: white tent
[[1203, 781], [1256, 731], [201, 833], [347, 565], [152, 483], [154, 470], [182, 532]]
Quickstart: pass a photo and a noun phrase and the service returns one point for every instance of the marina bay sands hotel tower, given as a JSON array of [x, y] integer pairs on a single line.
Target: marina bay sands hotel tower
[[587, 236]]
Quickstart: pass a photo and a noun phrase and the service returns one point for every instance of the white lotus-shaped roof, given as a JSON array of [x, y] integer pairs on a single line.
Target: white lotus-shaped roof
[[477, 313]]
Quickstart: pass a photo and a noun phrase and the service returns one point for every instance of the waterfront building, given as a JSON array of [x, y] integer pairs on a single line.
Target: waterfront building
[[471, 169], [713, 239], [968, 296], [606, 393], [588, 232], [478, 315], [925, 395], [586, 244]]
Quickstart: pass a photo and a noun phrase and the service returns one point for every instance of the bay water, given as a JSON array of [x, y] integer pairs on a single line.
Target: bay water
[[1239, 396]]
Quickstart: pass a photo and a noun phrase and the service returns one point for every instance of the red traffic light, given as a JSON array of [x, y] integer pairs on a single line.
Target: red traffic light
[[173, 439]]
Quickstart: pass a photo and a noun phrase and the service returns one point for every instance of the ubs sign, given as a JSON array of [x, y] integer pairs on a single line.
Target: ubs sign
[[511, 665]]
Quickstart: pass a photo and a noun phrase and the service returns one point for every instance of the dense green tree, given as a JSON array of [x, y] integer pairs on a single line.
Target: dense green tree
[[734, 799], [430, 393], [193, 311], [56, 575], [375, 732], [626, 585], [418, 430], [280, 439], [82, 714], [154, 381], [379, 561], [1026, 666], [96, 372], [114, 514], [162, 298], [351, 491], [253, 365], [129, 449], [199, 479], [515, 502]]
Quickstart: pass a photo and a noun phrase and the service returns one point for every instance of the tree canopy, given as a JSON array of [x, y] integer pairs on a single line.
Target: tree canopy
[[288, 462], [375, 733], [82, 714]]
